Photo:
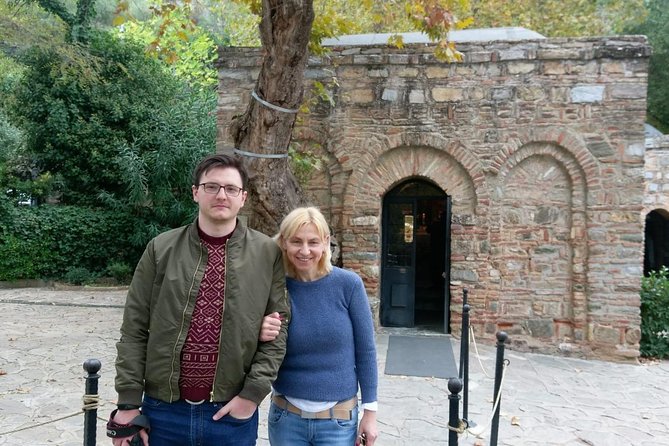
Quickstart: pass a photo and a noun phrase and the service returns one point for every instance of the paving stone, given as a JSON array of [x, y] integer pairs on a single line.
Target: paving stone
[[46, 335]]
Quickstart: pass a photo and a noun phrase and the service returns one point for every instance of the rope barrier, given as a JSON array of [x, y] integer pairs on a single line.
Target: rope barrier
[[90, 402], [477, 431], [461, 429], [478, 356]]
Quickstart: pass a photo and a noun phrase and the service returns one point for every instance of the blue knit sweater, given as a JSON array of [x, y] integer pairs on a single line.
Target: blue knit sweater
[[331, 346]]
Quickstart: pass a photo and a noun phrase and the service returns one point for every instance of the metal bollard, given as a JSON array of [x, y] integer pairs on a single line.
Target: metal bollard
[[92, 366], [464, 331], [499, 369], [464, 375], [454, 387]]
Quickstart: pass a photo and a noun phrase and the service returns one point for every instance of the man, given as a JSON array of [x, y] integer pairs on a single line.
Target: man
[[189, 353]]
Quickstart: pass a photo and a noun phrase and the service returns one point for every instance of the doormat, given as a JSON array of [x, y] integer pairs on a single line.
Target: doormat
[[421, 356]]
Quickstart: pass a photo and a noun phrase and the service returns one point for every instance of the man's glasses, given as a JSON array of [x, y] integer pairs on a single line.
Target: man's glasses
[[214, 188]]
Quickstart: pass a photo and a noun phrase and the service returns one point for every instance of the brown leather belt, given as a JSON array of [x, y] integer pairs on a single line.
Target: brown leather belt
[[341, 411]]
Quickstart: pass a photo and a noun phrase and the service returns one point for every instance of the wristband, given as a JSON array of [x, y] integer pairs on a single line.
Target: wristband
[[127, 406]]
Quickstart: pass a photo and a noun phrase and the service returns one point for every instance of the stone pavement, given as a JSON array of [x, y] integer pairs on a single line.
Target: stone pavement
[[47, 334]]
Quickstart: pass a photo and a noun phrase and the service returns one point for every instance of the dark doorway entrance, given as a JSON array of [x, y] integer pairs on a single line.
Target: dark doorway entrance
[[414, 266], [656, 252]]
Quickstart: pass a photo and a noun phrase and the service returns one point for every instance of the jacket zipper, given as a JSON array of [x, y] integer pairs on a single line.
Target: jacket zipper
[[183, 319], [220, 335]]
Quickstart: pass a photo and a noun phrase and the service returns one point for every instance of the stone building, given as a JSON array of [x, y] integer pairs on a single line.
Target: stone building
[[517, 174], [656, 202]]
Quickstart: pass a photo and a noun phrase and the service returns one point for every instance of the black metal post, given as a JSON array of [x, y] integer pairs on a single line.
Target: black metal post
[[499, 369], [92, 366], [464, 331], [454, 386], [465, 363]]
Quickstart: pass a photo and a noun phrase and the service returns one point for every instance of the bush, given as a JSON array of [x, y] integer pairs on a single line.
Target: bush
[[48, 241], [19, 259], [655, 314], [79, 276], [119, 271]]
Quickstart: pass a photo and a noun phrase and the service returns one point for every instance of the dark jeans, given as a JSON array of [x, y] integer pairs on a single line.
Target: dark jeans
[[184, 424]]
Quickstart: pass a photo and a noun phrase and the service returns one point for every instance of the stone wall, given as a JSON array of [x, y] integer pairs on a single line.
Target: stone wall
[[539, 143], [657, 175]]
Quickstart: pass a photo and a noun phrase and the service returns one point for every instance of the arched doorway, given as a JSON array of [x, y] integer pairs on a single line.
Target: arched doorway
[[415, 251], [656, 252]]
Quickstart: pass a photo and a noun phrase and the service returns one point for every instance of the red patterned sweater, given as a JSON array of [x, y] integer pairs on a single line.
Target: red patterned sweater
[[200, 352]]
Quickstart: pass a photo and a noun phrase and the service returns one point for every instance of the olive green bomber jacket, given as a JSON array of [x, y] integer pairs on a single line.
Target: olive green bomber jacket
[[160, 305]]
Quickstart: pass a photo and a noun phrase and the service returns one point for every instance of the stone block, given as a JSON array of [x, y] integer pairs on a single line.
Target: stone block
[[437, 72], [465, 275], [408, 72], [605, 334], [390, 95], [360, 96], [554, 68], [443, 94], [521, 67], [587, 93], [600, 149], [628, 91], [368, 220], [539, 328], [375, 72], [512, 54], [502, 94], [416, 97]]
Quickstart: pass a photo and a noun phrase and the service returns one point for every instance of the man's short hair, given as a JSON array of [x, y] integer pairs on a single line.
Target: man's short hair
[[220, 161]]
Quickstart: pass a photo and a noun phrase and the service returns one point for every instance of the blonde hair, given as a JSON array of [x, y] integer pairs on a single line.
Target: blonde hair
[[292, 223]]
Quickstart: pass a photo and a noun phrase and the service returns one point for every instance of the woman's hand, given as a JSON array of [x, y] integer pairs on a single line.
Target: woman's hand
[[271, 325], [368, 428]]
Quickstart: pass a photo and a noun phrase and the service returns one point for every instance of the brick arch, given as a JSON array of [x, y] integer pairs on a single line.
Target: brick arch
[[364, 194], [362, 202], [572, 322], [565, 158], [570, 143], [413, 155], [663, 212]]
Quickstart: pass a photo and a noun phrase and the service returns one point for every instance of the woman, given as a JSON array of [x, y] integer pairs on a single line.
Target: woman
[[330, 349]]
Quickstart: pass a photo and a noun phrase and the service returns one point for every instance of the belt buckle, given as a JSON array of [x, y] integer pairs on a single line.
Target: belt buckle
[[194, 403], [308, 415]]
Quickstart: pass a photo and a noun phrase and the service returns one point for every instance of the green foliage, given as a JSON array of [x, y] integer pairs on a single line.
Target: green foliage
[[47, 241], [560, 18], [80, 117], [20, 258], [171, 36], [79, 276], [119, 271], [656, 27], [303, 162], [655, 314], [157, 183], [24, 24]]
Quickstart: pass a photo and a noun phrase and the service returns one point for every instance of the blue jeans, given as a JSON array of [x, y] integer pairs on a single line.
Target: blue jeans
[[183, 424], [289, 429]]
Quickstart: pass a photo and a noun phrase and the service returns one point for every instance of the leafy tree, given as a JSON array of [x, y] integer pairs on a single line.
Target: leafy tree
[[23, 25], [656, 27], [78, 117], [286, 33], [559, 18]]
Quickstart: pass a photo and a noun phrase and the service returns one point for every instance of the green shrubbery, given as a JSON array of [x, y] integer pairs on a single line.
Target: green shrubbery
[[109, 134], [655, 314], [64, 242]]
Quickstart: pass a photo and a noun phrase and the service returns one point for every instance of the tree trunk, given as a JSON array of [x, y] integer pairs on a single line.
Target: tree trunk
[[273, 192]]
